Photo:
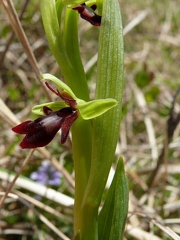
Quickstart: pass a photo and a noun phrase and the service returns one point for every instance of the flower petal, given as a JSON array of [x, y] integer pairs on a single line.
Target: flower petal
[[39, 138], [95, 108], [88, 14], [54, 182], [55, 106], [41, 131], [65, 128], [22, 128], [47, 110]]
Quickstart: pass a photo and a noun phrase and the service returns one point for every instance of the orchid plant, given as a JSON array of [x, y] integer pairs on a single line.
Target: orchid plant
[[94, 124]]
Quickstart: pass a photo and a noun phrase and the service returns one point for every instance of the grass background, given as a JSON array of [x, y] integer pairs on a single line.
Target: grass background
[[150, 134]]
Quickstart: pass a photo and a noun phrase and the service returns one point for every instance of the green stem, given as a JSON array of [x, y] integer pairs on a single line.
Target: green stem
[[65, 47], [81, 130], [71, 44], [81, 153]]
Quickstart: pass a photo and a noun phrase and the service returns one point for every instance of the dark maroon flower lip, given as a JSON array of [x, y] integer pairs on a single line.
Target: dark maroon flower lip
[[41, 131], [88, 14]]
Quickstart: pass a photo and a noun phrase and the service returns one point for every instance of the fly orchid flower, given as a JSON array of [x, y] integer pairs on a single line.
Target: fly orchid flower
[[59, 115], [88, 13], [41, 131]]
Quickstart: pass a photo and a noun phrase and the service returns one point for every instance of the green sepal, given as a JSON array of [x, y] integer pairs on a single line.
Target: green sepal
[[112, 218], [95, 108], [88, 110], [55, 106], [72, 3], [59, 83]]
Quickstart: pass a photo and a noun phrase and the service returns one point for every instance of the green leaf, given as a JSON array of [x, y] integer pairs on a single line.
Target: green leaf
[[61, 85], [55, 106], [59, 9], [52, 26], [95, 108], [112, 217], [110, 82]]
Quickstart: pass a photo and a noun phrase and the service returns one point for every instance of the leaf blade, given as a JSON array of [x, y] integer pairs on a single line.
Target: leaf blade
[[113, 215]]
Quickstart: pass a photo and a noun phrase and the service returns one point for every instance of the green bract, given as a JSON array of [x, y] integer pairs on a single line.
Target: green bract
[[87, 110]]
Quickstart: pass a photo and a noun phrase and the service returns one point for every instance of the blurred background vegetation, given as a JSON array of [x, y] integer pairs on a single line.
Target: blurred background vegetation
[[150, 132]]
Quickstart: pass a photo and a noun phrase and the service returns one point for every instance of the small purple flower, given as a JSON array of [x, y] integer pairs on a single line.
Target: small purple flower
[[88, 14], [46, 175], [42, 130]]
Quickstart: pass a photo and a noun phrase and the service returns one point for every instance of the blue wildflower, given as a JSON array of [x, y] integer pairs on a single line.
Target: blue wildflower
[[46, 175]]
